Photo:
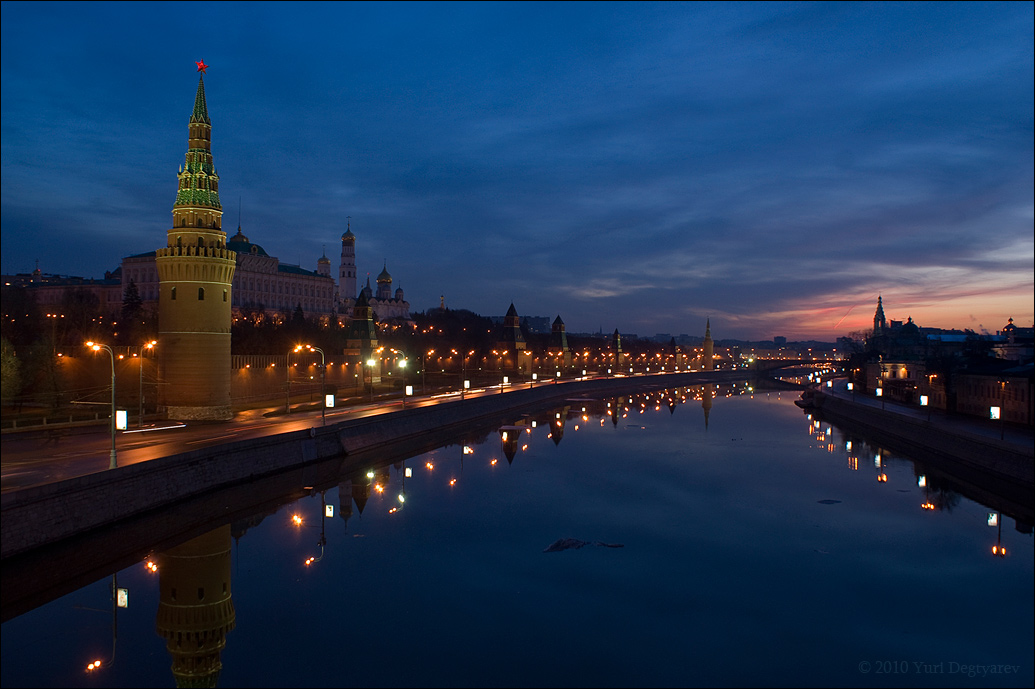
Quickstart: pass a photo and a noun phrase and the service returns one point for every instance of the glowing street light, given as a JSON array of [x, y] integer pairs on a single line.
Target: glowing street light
[[113, 460], [323, 380], [146, 345]]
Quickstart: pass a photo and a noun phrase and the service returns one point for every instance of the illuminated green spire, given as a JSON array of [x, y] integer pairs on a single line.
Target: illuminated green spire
[[200, 113], [198, 181]]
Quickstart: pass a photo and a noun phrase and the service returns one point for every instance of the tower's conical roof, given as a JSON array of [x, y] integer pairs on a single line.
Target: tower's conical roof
[[512, 311], [200, 113]]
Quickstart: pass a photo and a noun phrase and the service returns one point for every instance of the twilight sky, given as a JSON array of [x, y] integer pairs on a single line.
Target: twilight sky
[[633, 166]]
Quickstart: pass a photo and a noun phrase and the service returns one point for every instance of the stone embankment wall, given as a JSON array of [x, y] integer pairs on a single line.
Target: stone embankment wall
[[919, 436], [42, 515]]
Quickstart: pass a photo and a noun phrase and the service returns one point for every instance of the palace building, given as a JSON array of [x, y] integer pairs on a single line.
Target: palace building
[[261, 282]]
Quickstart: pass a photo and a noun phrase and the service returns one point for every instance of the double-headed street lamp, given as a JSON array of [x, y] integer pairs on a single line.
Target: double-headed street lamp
[[323, 378], [113, 461]]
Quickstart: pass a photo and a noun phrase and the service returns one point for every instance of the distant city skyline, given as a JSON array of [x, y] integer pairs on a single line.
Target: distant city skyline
[[635, 166]]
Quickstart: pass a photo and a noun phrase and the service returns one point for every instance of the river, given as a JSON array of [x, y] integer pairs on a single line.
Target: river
[[700, 536]]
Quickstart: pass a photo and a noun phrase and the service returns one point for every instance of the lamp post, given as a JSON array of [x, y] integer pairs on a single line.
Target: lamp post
[[1002, 408], [423, 371], [402, 368], [113, 461], [464, 383], [148, 345], [287, 383], [880, 382], [370, 365], [323, 378], [119, 599]]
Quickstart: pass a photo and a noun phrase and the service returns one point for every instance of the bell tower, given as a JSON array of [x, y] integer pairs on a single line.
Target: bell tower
[[195, 271], [347, 268]]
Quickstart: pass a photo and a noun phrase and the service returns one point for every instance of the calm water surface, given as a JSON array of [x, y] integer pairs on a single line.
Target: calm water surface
[[755, 551]]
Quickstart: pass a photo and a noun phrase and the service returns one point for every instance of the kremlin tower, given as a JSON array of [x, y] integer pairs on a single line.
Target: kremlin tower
[[195, 271], [195, 609]]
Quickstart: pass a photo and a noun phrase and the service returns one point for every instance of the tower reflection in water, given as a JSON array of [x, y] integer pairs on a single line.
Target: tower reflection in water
[[195, 612]]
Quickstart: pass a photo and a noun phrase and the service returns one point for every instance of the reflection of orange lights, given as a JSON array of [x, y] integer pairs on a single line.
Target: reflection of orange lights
[[524, 447], [999, 551], [393, 510], [882, 478], [151, 566], [927, 505], [309, 561], [95, 665], [379, 488], [296, 519], [430, 465], [493, 462], [452, 481]]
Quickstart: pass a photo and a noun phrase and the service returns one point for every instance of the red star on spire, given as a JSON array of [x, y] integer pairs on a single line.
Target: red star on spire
[[201, 66]]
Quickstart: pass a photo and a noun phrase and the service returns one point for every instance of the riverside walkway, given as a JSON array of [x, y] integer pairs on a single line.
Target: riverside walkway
[[976, 445]]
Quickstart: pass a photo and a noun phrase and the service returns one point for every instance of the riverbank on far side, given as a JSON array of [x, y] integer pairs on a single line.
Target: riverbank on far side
[[982, 453]]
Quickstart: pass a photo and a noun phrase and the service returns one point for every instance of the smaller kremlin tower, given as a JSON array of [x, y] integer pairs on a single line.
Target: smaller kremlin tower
[[709, 347]]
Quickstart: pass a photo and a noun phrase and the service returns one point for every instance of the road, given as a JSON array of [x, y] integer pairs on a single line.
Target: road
[[39, 457], [955, 422]]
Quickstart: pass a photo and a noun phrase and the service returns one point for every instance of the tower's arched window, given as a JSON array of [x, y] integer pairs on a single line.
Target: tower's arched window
[[201, 294], [179, 240], [173, 296], [224, 295], [201, 243]]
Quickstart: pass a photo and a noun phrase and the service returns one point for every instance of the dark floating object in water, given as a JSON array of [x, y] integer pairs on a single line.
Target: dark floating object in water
[[828, 502], [574, 544]]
